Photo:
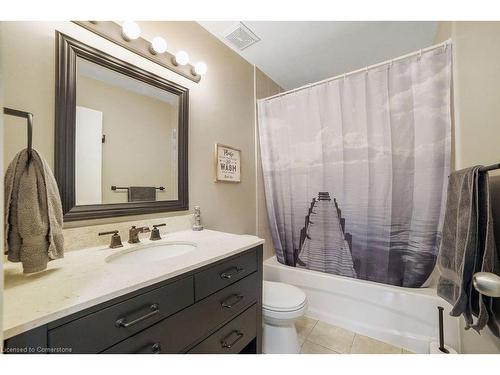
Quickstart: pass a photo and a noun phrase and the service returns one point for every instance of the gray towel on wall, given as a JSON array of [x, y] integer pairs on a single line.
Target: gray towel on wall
[[467, 247], [141, 193], [33, 213]]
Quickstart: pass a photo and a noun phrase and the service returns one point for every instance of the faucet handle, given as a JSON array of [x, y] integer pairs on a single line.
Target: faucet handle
[[155, 233], [116, 240]]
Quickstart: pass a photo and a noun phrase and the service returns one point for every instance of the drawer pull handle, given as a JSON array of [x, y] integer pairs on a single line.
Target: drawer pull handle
[[122, 322], [228, 345], [156, 348], [231, 301], [233, 271]]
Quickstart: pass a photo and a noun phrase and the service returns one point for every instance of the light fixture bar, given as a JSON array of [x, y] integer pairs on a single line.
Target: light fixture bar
[[113, 32]]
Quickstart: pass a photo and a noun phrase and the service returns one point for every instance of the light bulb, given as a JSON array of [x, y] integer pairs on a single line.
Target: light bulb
[[181, 58], [158, 45], [130, 30], [200, 68]]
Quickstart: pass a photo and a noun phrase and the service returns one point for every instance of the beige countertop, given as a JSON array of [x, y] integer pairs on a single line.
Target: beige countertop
[[83, 278]]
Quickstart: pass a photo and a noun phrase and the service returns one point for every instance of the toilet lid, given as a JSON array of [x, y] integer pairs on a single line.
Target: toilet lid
[[282, 297]]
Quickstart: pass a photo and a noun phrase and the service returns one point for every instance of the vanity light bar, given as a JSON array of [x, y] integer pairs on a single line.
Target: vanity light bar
[[124, 37]]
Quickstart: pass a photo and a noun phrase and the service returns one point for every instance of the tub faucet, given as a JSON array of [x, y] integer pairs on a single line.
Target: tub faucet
[[133, 233]]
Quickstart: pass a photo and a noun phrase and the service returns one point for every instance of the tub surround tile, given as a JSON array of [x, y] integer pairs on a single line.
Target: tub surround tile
[[367, 345], [311, 348], [304, 327], [83, 278], [332, 337]]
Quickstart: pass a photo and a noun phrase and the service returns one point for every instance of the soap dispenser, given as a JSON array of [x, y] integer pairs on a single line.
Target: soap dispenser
[[197, 219]]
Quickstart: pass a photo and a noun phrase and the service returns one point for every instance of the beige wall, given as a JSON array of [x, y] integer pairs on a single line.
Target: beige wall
[[1, 195], [222, 107], [138, 130], [477, 92], [443, 32], [476, 74], [264, 87]]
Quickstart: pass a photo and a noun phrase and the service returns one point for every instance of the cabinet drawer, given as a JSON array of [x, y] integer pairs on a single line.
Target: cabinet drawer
[[163, 337], [98, 331], [179, 331], [231, 338], [224, 274]]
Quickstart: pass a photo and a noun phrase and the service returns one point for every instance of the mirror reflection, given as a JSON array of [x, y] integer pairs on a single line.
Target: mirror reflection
[[126, 138]]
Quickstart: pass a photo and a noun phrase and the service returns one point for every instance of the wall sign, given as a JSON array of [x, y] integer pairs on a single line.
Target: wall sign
[[227, 163]]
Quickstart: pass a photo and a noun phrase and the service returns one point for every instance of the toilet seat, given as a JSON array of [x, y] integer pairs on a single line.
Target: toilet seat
[[282, 298], [282, 317]]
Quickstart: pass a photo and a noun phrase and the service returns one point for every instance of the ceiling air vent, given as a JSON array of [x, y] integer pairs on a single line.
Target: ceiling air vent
[[241, 36]]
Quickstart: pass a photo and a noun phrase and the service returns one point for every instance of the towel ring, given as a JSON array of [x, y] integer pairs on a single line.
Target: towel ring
[[29, 117]]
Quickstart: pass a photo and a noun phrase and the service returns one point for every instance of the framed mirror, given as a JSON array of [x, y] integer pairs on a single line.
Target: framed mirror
[[121, 136]]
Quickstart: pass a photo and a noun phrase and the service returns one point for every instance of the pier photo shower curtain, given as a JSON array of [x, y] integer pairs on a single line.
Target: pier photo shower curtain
[[356, 169]]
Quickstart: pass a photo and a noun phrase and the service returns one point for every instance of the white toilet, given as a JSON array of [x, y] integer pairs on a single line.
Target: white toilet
[[282, 305]]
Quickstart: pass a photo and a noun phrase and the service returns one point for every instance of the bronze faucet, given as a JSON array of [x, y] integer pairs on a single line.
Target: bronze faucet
[[155, 233], [133, 233], [116, 241]]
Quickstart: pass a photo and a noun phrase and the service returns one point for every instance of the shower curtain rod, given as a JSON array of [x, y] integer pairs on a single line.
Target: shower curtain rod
[[365, 69]]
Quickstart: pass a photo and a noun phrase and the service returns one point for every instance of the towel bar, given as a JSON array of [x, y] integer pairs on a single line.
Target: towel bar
[[113, 187], [489, 167]]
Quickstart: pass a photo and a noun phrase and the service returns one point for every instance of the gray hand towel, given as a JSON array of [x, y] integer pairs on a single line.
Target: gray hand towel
[[490, 259], [467, 247], [33, 213], [141, 193]]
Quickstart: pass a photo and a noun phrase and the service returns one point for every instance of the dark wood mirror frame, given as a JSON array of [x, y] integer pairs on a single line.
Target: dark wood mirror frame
[[68, 49]]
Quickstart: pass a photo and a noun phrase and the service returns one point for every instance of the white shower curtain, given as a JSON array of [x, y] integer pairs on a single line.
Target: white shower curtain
[[355, 170]]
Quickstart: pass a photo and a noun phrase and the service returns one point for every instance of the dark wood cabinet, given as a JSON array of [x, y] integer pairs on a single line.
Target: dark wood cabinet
[[213, 309], [231, 338], [223, 274], [97, 331]]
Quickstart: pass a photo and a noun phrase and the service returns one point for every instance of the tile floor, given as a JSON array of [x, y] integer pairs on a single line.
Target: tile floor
[[317, 337]]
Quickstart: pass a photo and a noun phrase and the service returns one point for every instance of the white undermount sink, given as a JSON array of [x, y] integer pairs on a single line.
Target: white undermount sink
[[151, 253]]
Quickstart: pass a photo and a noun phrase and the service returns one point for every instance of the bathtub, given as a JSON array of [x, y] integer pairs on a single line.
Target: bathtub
[[404, 317]]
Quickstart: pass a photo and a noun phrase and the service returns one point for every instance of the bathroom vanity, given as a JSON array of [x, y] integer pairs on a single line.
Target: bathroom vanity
[[208, 300]]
